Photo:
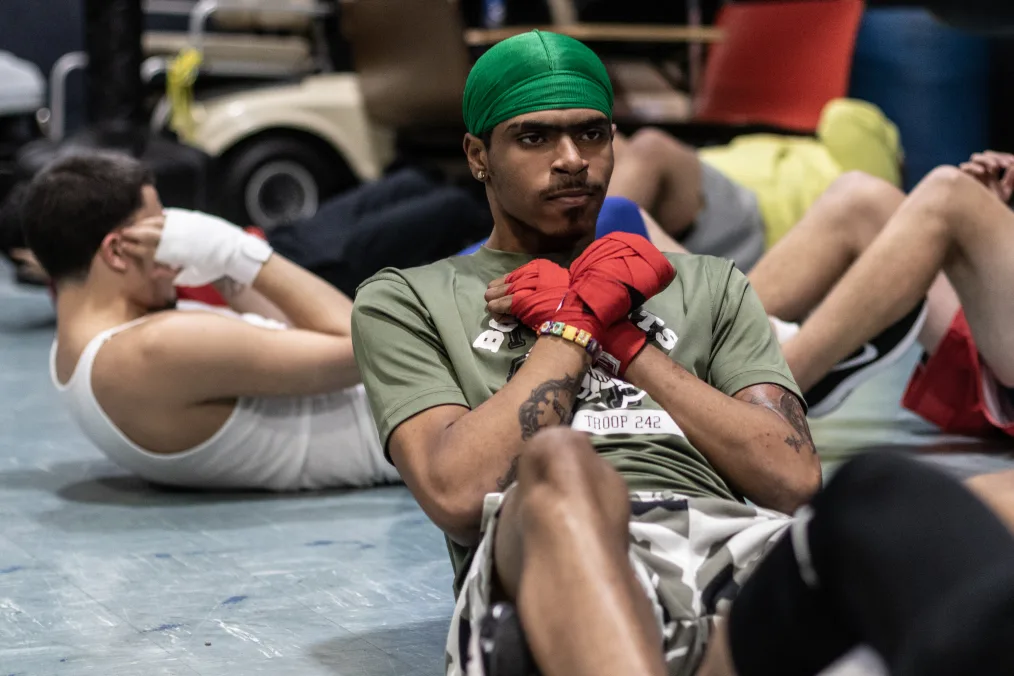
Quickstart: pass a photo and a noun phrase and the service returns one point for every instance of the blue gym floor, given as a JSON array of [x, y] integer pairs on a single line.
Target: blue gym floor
[[101, 573]]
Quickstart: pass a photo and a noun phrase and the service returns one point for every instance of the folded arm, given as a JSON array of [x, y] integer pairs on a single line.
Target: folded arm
[[758, 439], [450, 457], [201, 357], [248, 300]]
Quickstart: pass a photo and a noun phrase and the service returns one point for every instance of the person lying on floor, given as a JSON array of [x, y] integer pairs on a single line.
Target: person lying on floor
[[869, 270], [689, 405], [404, 218], [791, 280], [194, 398], [738, 200]]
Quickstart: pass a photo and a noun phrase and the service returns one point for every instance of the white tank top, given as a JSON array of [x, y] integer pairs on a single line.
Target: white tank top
[[276, 443]]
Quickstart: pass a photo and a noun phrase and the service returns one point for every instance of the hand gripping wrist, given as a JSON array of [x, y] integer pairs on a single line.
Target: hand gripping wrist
[[208, 248], [623, 341], [536, 290], [614, 275]]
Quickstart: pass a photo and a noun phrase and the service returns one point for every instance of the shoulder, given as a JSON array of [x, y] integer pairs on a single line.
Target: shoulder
[[697, 271], [134, 360], [698, 264], [413, 286], [419, 275], [169, 334]]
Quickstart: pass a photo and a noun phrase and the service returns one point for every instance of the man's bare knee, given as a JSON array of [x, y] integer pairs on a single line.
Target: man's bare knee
[[557, 454], [560, 466], [865, 201], [553, 454], [650, 142], [947, 197], [948, 191], [868, 191]]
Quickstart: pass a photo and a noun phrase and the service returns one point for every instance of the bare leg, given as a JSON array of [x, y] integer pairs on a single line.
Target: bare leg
[[997, 491], [718, 658], [943, 303], [562, 554], [662, 175], [950, 223], [798, 272]]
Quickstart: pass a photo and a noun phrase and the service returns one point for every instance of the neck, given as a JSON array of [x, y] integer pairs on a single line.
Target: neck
[[95, 303], [517, 238]]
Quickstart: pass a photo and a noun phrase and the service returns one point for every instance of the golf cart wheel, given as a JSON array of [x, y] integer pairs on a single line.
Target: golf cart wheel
[[271, 180]]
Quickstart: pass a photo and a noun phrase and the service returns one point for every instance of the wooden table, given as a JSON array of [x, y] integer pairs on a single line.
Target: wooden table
[[602, 32]]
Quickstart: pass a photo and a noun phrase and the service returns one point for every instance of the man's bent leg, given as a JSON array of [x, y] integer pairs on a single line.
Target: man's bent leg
[[981, 269], [942, 303], [949, 222], [796, 274], [561, 552], [662, 175]]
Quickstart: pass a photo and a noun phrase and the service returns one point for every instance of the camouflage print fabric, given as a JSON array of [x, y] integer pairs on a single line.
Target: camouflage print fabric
[[691, 555]]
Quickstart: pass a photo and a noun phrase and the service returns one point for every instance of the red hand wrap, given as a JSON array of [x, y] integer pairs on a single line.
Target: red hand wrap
[[537, 288], [624, 341], [612, 275]]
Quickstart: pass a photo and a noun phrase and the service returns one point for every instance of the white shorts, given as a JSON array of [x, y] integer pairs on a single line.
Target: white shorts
[[691, 555]]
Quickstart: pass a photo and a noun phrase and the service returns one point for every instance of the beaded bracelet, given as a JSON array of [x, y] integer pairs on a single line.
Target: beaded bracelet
[[579, 337]]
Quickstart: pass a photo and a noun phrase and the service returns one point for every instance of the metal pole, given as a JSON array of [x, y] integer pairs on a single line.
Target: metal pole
[[63, 67]]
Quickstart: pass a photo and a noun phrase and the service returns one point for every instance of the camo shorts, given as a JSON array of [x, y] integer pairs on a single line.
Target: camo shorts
[[691, 556]]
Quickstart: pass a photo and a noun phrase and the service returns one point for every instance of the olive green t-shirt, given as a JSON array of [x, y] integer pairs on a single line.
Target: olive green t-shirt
[[423, 338]]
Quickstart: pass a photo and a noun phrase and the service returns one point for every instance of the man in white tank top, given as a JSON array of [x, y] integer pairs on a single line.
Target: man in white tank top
[[266, 395]]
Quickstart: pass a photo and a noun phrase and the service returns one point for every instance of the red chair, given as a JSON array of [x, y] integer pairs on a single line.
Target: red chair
[[779, 62]]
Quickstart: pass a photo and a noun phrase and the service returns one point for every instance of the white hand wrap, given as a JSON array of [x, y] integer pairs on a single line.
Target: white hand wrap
[[209, 248]]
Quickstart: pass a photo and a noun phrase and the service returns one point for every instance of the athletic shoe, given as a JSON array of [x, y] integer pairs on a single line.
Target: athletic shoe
[[502, 643], [872, 358]]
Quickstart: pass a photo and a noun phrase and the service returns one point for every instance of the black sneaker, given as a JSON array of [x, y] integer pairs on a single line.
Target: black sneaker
[[869, 360], [502, 643]]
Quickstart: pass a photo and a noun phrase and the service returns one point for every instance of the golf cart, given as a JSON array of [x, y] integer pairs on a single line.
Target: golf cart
[[253, 84]]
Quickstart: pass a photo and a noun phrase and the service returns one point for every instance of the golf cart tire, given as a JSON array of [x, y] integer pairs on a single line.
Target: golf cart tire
[[278, 178]]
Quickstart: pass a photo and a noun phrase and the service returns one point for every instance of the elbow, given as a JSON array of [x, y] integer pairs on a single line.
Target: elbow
[[457, 511], [800, 488]]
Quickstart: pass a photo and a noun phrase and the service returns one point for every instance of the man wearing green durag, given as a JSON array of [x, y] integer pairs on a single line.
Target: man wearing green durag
[[584, 420]]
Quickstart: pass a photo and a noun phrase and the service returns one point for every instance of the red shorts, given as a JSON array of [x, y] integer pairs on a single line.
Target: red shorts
[[956, 391]]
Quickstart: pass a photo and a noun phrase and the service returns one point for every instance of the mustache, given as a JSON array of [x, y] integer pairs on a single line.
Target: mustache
[[573, 186]]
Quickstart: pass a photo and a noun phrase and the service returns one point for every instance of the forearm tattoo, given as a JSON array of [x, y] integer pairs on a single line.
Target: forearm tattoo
[[510, 476], [789, 408], [551, 403], [792, 411]]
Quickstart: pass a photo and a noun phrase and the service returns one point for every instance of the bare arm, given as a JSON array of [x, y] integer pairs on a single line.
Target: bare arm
[[247, 299], [305, 299], [758, 440], [451, 457], [200, 357]]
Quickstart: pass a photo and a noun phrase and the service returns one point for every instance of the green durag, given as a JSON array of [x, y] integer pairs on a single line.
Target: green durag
[[531, 72]]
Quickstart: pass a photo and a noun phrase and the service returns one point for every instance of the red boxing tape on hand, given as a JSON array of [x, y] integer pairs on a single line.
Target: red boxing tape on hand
[[536, 290], [624, 341], [613, 275]]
